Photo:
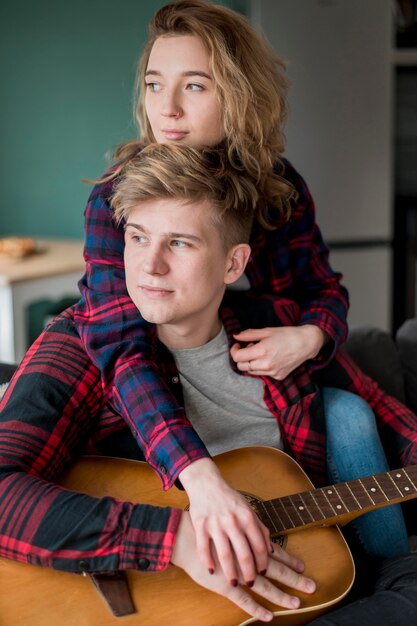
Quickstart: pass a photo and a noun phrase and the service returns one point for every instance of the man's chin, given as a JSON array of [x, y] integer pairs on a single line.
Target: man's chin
[[153, 317]]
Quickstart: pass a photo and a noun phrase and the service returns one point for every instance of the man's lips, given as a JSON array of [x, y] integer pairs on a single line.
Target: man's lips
[[155, 292]]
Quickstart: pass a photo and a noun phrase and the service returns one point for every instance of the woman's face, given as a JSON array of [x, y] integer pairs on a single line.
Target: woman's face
[[181, 101]]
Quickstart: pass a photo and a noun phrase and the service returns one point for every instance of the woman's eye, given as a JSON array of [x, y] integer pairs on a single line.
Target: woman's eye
[[195, 87], [153, 86]]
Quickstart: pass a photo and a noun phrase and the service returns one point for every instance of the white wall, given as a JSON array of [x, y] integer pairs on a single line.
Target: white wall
[[339, 133]]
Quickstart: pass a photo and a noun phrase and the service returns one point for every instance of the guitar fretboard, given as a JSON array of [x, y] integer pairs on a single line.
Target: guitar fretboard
[[335, 502]]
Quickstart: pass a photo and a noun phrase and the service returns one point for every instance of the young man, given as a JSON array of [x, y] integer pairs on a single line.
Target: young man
[[188, 217], [183, 247]]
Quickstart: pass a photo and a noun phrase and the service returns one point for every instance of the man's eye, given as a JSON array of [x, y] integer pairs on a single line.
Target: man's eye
[[138, 238], [177, 243]]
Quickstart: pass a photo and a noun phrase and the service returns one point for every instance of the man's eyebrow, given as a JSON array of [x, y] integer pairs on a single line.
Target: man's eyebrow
[[171, 235], [184, 236], [187, 73], [137, 226]]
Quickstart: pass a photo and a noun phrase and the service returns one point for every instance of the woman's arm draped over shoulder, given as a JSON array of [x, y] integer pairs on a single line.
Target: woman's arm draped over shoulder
[[118, 342]]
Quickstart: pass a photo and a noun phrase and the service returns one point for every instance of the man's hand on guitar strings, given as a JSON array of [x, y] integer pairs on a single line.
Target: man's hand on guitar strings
[[281, 567], [223, 520]]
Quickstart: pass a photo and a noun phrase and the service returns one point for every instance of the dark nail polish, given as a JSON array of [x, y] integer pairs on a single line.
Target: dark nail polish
[[211, 571], [263, 572], [233, 582], [250, 583]]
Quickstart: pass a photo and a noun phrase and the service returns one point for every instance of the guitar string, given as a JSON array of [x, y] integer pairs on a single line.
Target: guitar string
[[334, 490], [366, 491], [395, 484], [406, 473], [380, 489]]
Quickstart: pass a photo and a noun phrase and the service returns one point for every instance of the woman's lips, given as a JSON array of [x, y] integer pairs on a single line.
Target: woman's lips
[[174, 135]]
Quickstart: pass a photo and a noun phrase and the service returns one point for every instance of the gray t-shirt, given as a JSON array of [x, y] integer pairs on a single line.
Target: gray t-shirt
[[226, 409]]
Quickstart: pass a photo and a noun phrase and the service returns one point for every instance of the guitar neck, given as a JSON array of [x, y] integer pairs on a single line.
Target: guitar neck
[[337, 504]]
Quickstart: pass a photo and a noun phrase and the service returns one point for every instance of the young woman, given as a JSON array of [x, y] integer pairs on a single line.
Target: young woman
[[206, 78]]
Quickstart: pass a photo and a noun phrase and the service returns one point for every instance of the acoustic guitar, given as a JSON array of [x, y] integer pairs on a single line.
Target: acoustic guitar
[[303, 518]]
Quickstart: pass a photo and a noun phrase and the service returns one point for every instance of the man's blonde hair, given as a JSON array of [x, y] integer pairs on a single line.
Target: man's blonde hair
[[191, 175]]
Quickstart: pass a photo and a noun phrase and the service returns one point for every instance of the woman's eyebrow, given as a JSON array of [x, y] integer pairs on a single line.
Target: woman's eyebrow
[[187, 73]]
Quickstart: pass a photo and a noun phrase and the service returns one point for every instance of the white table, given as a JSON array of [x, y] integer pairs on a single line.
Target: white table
[[52, 272]]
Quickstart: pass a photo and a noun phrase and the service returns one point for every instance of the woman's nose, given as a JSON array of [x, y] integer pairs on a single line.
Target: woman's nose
[[171, 105]]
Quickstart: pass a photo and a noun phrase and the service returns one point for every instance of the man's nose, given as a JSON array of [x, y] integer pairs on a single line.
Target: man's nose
[[155, 262]]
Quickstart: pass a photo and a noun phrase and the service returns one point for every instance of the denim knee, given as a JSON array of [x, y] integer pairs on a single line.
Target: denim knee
[[347, 415]]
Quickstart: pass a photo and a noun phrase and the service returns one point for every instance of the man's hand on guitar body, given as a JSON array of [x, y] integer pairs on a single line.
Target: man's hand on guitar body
[[280, 567]]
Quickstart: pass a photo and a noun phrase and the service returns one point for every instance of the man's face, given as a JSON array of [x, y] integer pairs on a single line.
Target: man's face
[[176, 268]]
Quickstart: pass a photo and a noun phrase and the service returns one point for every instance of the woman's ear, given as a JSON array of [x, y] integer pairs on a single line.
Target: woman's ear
[[237, 259]]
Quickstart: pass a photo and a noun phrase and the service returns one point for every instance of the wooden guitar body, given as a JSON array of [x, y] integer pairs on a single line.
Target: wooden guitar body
[[37, 596]]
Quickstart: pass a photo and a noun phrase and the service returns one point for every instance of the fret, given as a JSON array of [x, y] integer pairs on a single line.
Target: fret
[[303, 511], [318, 505], [298, 512], [396, 487], [333, 495], [362, 493], [276, 515], [346, 498], [268, 520], [358, 505], [374, 490], [290, 511], [404, 480], [409, 471], [326, 506]]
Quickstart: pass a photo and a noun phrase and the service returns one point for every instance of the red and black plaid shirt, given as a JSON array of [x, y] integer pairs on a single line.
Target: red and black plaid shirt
[[55, 409]]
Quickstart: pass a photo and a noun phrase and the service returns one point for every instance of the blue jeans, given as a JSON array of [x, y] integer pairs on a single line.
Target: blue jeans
[[354, 450]]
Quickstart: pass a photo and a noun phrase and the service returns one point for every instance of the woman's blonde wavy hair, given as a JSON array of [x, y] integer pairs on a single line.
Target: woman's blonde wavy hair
[[190, 175], [251, 84]]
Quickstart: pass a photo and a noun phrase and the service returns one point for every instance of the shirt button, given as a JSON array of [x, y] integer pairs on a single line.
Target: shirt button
[[163, 469], [143, 563], [175, 379], [84, 566]]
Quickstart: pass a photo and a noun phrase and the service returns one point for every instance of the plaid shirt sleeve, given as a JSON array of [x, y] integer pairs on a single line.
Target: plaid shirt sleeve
[[45, 416], [292, 261], [323, 300], [118, 341]]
